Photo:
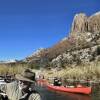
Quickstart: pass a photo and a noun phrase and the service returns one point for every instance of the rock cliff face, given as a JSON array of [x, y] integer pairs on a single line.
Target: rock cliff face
[[94, 23], [79, 23], [82, 24]]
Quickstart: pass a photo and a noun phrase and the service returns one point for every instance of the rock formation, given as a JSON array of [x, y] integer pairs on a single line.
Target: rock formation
[[94, 23], [79, 24], [82, 24]]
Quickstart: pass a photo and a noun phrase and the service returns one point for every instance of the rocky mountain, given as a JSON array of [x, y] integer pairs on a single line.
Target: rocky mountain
[[81, 47]]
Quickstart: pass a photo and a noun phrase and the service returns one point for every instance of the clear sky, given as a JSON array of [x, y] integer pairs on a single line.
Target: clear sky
[[26, 25]]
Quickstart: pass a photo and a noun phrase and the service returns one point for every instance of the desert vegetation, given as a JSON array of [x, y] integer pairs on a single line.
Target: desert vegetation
[[90, 71], [11, 70]]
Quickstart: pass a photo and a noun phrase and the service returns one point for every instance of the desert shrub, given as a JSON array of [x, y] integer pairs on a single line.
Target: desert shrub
[[98, 50]]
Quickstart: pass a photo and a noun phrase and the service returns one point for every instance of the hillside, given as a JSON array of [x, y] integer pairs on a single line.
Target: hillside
[[81, 47]]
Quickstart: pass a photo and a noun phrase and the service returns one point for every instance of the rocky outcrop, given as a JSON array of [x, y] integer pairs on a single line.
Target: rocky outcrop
[[79, 24], [94, 23], [82, 24]]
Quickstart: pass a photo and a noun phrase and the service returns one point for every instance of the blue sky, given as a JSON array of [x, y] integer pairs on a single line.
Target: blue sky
[[26, 25]]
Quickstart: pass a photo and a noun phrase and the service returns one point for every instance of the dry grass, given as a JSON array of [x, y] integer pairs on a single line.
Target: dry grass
[[91, 71], [4, 69]]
